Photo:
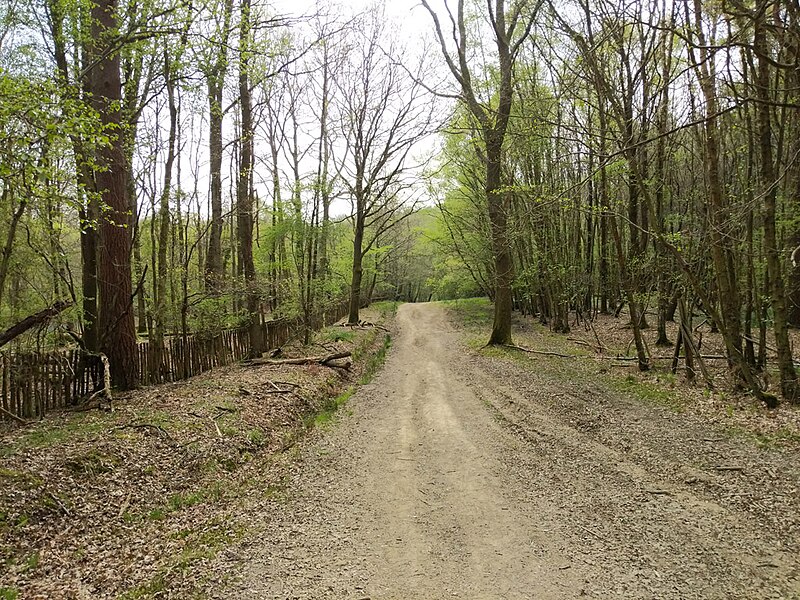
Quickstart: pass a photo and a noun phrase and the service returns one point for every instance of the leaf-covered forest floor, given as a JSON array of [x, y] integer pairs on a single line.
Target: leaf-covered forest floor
[[727, 404], [136, 502]]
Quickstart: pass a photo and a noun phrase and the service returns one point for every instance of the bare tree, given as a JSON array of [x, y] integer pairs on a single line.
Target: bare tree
[[383, 112]]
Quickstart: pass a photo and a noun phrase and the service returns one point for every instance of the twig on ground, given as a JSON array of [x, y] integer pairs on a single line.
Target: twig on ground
[[590, 532], [160, 431], [543, 352], [214, 421], [658, 492]]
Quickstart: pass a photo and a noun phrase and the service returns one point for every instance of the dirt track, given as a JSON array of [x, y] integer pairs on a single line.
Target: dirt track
[[460, 476]]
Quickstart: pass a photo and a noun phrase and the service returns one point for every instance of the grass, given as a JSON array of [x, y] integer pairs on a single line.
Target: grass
[[46, 434], [337, 334], [476, 314], [652, 393], [8, 593], [373, 364], [180, 501], [93, 463], [768, 440], [472, 312], [19, 478], [386, 308]]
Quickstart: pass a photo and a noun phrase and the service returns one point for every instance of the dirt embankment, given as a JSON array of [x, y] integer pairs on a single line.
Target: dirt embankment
[[461, 475], [136, 503]]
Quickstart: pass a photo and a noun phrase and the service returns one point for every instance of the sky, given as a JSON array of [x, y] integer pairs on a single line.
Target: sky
[[412, 24]]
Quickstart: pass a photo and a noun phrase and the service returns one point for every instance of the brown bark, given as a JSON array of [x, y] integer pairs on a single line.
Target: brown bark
[[162, 265], [215, 76], [768, 180], [115, 320], [357, 271], [11, 234], [244, 195]]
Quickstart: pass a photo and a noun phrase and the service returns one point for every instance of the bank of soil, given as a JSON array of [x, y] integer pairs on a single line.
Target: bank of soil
[[462, 473], [137, 502]]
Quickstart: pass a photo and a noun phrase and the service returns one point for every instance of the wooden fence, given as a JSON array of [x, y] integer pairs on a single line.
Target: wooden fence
[[34, 383]]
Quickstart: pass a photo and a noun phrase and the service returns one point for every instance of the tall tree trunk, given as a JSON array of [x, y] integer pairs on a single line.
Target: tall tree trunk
[[163, 275], [244, 197], [768, 180], [115, 320], [358, 271], [501, 247], [11, 234], [215, 82]]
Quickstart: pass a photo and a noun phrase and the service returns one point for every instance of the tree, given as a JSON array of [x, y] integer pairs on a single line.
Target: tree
[[383, 111], [118, 337], [244, 188], [215, 66], [510, 27]]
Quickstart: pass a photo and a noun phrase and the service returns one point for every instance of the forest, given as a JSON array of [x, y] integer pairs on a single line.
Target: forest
[[170, 168]]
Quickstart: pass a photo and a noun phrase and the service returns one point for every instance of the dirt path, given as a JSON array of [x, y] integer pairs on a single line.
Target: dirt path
[[459, 476]]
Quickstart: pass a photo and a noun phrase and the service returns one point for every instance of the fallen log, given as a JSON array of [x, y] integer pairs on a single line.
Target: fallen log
[[33, 320], [305, 360], [11, 415]]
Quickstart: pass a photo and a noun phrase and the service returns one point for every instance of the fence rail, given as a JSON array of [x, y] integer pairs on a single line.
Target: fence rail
[[31, 384]]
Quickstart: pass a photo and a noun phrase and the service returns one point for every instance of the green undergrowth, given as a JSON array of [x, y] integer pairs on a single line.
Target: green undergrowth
[[471, 312], [657, 387], [773, 440], [75, 427], [476, 315], [373, 364], [386, 308], [198, 545], [647, 390]]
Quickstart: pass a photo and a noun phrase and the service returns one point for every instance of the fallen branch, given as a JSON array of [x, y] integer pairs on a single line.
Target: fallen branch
[[39, 318], [543, 352], [160, 431], [587, 344], [289, 383], [11, 415], [728, 468], [306, 360], [620, 358], [767, 346], [59, 503], [85, 403], [214, 422]]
